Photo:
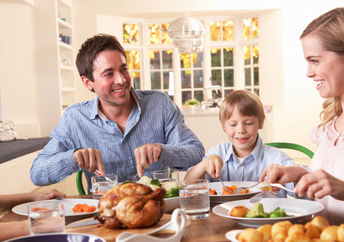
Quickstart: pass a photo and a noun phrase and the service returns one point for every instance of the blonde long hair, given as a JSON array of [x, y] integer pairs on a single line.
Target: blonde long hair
[[329, 28]]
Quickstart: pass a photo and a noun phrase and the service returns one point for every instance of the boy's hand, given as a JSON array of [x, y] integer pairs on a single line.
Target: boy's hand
[[212, 165]]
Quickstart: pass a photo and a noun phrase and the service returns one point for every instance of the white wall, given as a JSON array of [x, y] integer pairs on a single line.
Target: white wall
[[18, 89]]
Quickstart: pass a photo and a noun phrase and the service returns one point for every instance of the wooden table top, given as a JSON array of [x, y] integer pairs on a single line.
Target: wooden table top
[[212, 229]]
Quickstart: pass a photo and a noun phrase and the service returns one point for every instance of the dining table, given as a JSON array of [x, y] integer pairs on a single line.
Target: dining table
[[212, 228]]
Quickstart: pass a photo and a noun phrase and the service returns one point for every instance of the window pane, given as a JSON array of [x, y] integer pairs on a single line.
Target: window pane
[[256, 76], [255, 54], [136, 59], [186, 95], [254, 28], [246, 28], [185, 60], [136, 79], [228, 56], [217, 94], [129, 62], [227, 92], [198, 95], [154, 59], [228, 30], [216, 77], [215, 30], [247, 54], [186, 79], [165, 38], [229, 78], [256, 90], [168, 80], [197, 59], [198, 78], [247, 76], [154, 33], [167, 59], [131, 34], [155, 80], [215, 57]]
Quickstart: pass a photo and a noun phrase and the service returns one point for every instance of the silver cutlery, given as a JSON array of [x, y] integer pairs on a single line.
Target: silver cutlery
[[223, 184]]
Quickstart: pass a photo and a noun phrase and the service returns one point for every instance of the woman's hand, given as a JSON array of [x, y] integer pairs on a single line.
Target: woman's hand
[[276, 173], [213, 165], [318, 184], [45, 195]]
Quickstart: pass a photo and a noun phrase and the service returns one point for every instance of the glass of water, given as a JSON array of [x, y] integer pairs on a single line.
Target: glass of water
[[166, 174], [194, 199], [46, 217], [102, 184]]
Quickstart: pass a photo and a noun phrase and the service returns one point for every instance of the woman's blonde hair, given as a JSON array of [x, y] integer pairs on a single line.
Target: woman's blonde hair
[[247, 103], [329, 28]]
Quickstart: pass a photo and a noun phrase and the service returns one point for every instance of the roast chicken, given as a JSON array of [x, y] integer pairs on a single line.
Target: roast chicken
[[131, 205]]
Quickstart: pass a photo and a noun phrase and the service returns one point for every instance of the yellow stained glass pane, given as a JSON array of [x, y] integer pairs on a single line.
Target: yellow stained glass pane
[[136, 59], [215, 30], [154, 33], [126, 33], [165, 38], [254, 28], [247, 54], [228, 30], [131, 34], [135, 34], [129, 62], [246, 28]]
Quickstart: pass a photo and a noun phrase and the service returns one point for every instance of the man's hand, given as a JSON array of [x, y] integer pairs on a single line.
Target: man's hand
[[146, 155], [90, 159]]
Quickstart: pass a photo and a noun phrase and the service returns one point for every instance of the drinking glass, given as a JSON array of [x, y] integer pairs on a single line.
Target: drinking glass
[[102, 184], [194, 199], [166, 174], [46, 217]]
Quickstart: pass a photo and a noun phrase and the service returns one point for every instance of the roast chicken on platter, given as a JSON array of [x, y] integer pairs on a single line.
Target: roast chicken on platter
[[131, 205]]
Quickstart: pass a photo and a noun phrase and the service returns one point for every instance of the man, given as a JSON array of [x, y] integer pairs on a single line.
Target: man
[[121, 131]]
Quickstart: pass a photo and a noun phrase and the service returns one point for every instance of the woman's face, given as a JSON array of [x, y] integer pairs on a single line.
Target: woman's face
[[325, 67]]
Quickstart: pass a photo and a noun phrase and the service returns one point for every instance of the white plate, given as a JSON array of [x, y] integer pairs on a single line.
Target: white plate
[[232, 235], [236, 195], [296, 208], [58, 238], [68, 206], [172, 203]]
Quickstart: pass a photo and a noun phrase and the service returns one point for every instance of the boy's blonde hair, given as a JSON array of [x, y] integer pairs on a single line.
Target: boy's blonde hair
[[329, 28], [247, 103]]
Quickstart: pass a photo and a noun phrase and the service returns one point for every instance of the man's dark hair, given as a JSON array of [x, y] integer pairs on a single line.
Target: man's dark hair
[[90, 50]]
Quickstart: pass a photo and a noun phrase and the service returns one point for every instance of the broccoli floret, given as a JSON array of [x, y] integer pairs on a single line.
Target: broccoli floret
[[257, 212], [277, 213], [128, 181], [155, 182], [174, 192]]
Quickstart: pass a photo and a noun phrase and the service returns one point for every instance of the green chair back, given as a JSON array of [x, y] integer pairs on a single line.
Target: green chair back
[[79, 183], [292, 146]]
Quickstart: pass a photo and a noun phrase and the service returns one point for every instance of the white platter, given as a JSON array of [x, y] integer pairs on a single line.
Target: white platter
[[232, 235], [68, 206], [236, 195], [296, 208], [171, 204]]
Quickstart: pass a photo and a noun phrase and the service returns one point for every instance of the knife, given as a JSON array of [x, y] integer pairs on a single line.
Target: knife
[[83, 223]]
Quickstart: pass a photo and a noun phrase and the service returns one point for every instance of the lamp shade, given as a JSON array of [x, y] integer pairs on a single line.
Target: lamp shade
[[187, 34]]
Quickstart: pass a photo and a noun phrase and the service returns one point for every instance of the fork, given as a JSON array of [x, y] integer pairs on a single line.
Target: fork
[[280, 186], [223, 184], [106, 178], [248, 187]]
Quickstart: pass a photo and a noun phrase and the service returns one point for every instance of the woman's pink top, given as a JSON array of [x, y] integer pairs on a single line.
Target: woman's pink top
[[329, 156]]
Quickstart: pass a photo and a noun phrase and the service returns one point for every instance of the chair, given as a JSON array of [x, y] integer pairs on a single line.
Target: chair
[[79, 183], [292, 146]]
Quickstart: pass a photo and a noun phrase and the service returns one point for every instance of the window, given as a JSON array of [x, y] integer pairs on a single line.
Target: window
[[230, 59]]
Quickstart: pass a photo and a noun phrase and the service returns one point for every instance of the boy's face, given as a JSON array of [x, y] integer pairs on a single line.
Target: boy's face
[[242, 132]]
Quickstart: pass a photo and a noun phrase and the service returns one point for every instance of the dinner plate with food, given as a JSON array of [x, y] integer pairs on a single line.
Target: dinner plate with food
[[72, 207], [171, 187], [267, 211], [316, 229], [235, 190]]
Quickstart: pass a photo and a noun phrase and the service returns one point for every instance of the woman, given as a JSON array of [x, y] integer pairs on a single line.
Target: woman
[[323, 47]]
